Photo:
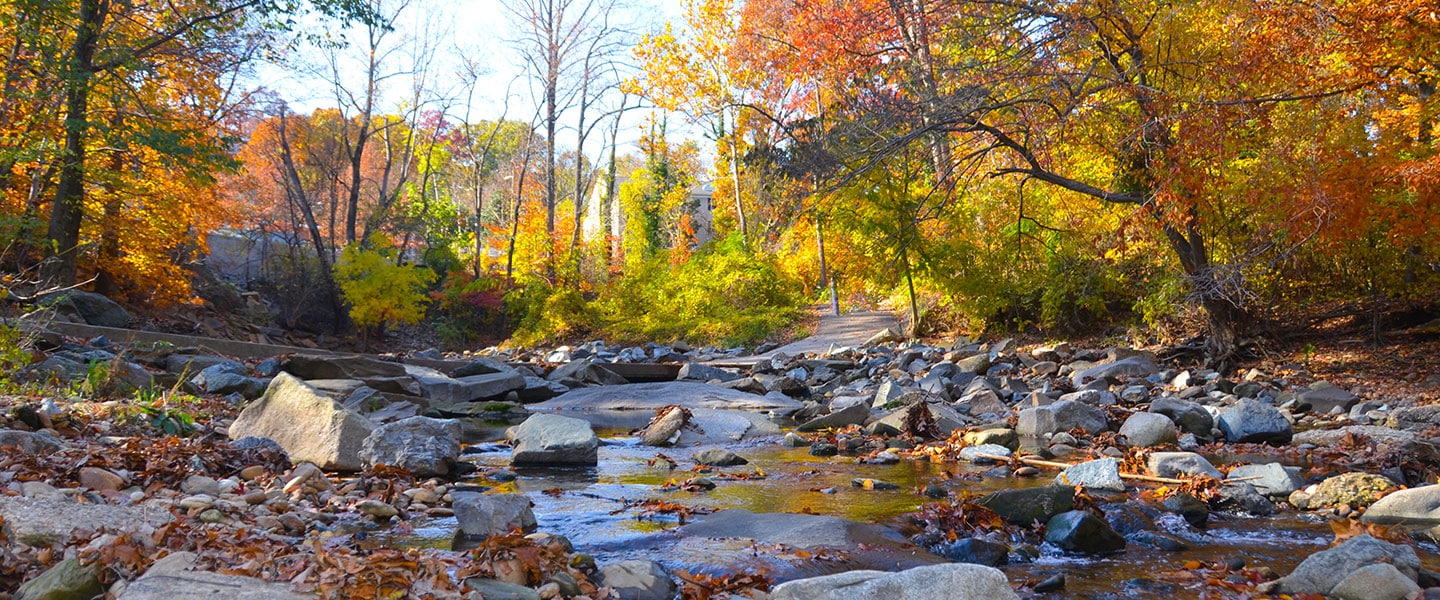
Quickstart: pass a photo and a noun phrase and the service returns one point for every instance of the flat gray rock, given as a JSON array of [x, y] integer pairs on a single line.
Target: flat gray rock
[[49, 520], [175, 578], [650, 396], [1321, 572], [1417, 506], [795, 530], [546, 440], [949, 581]]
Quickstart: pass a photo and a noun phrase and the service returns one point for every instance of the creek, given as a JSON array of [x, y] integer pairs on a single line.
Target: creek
[[595, 509]]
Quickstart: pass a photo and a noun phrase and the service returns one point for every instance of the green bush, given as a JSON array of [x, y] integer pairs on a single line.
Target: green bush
[[379, 291]]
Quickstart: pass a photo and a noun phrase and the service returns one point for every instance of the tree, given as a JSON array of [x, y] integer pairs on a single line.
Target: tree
[[1133, 103], [558, 37], [111, 41]]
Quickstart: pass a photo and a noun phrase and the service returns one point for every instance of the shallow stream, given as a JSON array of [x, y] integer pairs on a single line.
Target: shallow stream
[[593, 507]]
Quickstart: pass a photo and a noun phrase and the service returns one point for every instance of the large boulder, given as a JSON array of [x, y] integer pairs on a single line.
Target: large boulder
[[310, 426], [315, 366], [175, 578], [483, 515], [1146, 429], [1031, 505], [91, 308], [1321, 572], [950, 581], [421, 445], [1255, 421], [1379, 581], [1415, 506], [1082, 533], [442, 390], [638, 580], [651, 396], [546, 439]]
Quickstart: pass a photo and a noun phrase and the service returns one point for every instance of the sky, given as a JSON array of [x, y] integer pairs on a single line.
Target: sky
[[479, 30]]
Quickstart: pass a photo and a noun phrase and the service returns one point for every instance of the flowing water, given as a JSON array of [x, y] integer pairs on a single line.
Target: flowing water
[[594, 508]]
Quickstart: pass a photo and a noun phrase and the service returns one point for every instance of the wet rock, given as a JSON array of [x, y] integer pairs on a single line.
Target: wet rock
[[546, 439], [1026, 506], [1158, 541], [1054, 583], [493, 589], [1194, 510], [1146, 429], [950, 581], [1189, 416], [1376, 582], [1274, 479], [791, 529], [1418, 506], [638, 580], [1101, 474], [718, 457], [824, 449], [67, 580], [175, 578], [1083, 533], [725, 426], [652, 396], [853, 415], [1000, 437], [421, 445], [1180, 464], [376, 509], [1127, 519], [1355, 490], [312, 366], [30, 442], [481, 515], [1321, 572], [1255, 421], [975, 551], [866, 483], [973, 453], [310, 426], [1245, 497]]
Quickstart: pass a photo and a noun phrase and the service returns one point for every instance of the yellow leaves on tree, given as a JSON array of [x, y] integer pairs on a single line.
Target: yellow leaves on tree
[[379, 291]]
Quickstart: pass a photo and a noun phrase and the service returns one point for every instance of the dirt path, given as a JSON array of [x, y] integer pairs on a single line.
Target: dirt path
[[850, 329]]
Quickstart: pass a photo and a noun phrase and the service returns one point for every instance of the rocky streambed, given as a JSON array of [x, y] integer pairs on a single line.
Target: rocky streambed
[[887, 470]]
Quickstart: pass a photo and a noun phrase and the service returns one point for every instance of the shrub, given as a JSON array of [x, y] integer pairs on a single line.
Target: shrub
[[379, 291]]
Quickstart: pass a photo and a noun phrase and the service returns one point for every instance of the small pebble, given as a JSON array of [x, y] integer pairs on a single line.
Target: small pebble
[[376, 509], [1026, 471], [197, 501], [1051, 584], [212, 516]]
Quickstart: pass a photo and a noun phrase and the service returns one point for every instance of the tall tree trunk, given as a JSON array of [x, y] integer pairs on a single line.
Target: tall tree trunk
[[910, 286], [105, 281], [1224, 318], [295, 191], [69, 209]]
